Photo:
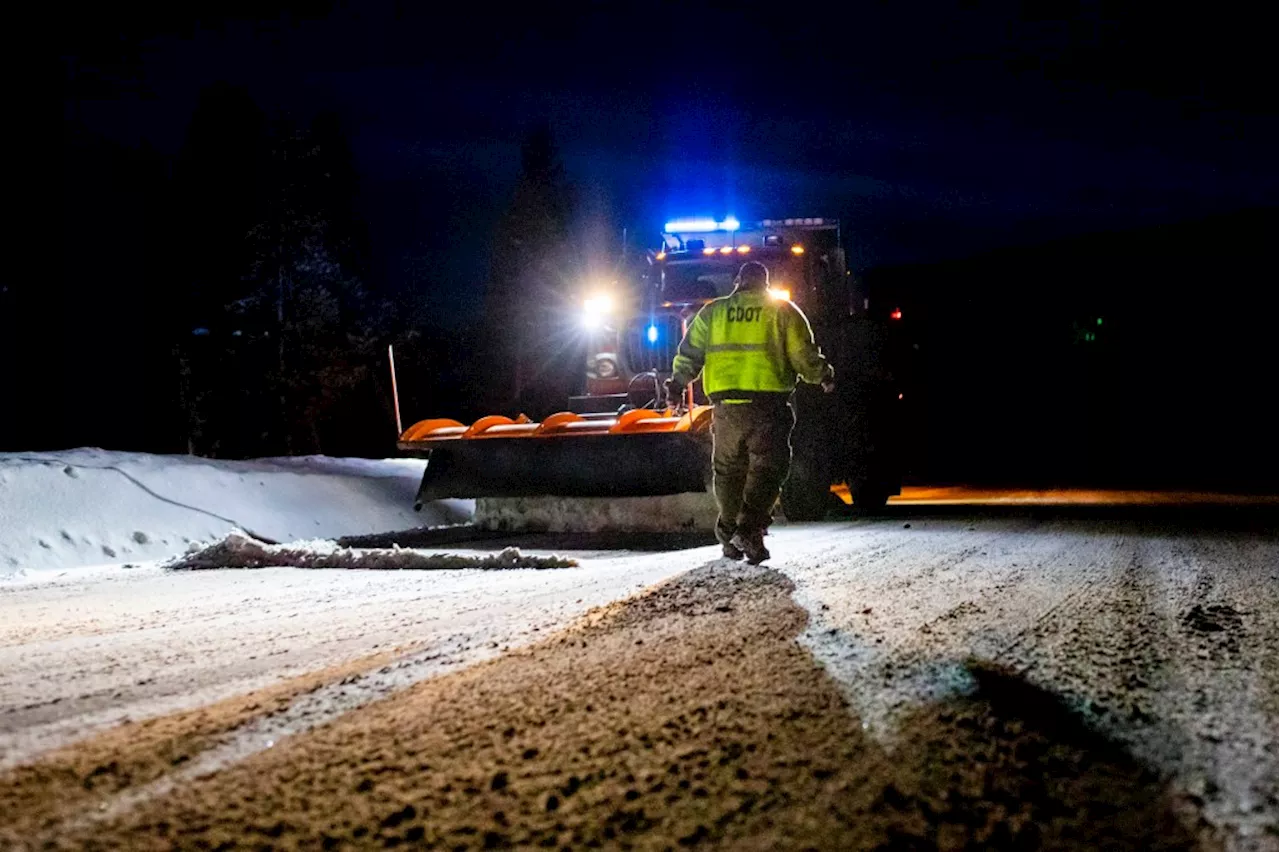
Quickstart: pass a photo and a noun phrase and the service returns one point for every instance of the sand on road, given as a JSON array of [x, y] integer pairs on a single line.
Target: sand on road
[[1011, 680]]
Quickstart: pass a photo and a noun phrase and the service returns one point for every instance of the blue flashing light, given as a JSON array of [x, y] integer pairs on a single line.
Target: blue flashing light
[[653, 334], [688, 226]]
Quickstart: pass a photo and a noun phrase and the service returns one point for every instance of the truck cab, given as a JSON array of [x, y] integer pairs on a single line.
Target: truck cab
[[846, 444], [634, 332]]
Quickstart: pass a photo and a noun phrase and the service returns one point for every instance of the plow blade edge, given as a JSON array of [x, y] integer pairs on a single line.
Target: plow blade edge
[[641, 465]]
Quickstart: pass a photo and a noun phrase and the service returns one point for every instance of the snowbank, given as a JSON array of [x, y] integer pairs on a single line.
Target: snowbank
[[238, 550], [62, 510], [671, 513]]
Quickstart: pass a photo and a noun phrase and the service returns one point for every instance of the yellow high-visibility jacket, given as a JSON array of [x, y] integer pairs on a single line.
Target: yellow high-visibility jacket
[[747, 345]]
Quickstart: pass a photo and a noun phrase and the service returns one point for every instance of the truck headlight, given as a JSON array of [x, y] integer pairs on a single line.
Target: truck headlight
[[596, 309]]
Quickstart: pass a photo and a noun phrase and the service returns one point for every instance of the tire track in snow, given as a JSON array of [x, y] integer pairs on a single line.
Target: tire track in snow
[[303, 714], [868, 611], [1161, 637], [1121, 641], [533, 604], [1221, 622]]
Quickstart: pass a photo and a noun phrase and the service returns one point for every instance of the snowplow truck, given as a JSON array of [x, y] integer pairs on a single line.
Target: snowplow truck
[[621, 438]]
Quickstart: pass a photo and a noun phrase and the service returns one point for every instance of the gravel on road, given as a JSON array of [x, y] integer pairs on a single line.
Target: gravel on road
[[1010, 680]]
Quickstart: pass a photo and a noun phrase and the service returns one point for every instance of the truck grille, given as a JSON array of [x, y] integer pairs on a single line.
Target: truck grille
[[639, 354]]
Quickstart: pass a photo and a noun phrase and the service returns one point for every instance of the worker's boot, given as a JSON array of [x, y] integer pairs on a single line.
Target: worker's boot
[[751, 544], [727, 547]]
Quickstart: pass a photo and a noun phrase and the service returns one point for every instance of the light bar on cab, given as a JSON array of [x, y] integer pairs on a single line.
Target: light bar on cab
[[688, 226]]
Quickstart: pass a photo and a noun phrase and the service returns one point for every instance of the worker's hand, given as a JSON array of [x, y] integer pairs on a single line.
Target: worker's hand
[[828, 385], [674, 391]]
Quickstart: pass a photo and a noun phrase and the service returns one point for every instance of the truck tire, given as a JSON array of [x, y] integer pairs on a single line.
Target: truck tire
[[806, 497], [868, 496]]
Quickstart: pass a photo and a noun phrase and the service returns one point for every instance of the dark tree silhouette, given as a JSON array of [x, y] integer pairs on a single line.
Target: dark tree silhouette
[[283, 335], [306, 323], [531, 363]]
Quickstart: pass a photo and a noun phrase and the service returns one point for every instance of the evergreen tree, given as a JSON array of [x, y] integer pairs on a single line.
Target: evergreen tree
[[308, 328], [284, 362], [531, 286]]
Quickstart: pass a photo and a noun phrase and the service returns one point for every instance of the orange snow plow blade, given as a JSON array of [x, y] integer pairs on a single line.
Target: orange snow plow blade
[[639, 453]]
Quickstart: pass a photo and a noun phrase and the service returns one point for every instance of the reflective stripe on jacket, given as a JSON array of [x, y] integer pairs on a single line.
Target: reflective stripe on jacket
[[747, 344]]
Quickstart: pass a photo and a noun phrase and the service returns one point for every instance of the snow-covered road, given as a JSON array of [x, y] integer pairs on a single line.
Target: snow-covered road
[[1152, 631], [1155, 630], [85, 651]]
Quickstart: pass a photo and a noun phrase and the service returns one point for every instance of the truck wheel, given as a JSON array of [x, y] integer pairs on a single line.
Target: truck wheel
[[805, 497], [868, 496]]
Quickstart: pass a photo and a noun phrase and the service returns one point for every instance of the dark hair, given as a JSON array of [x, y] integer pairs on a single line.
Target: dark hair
[[753, 274]]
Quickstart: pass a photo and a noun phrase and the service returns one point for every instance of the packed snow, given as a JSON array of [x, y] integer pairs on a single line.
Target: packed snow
[[86, 650], [239, 550], [666, 514], [75, 508]]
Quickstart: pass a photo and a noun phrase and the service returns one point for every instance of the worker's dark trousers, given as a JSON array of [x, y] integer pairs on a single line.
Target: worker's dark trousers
[[750, 458]]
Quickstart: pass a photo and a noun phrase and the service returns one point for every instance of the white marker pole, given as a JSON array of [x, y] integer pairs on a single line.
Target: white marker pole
[[395, 391]]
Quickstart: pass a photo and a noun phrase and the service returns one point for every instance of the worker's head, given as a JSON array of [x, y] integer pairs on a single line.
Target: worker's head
[[753, 275]]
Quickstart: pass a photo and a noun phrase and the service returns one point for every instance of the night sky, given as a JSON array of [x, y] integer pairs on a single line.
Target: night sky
[[933, 132]]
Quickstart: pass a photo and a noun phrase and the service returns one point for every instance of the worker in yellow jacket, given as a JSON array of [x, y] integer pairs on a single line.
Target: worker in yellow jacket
[[750, 347]]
